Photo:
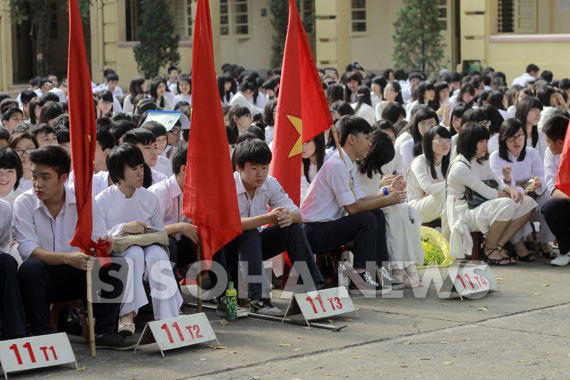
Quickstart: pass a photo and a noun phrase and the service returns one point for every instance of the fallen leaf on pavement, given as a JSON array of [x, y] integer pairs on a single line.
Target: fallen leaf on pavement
[[444, 342], [500, 279], [545, 285], [233, 352], [84, 368], [197, 350], [297, 349], [357, 357], [448, 363], [535, 294], [347, 319], [329, 374], [521, 361], [299, 337], [482, 309], [331, 321], [407, 342], [307, 328], [378, 355], [284, 344], [256, 377], [224, 322], [444, 304], [219, 348]]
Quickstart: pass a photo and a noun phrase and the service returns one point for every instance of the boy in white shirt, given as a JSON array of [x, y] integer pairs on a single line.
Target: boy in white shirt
[[11, 307], [557, 210], [334, 193], [45, 218], [257, 192]]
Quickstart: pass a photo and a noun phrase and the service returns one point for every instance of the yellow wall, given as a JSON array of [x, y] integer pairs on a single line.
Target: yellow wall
[[253, 52], [5, 51]]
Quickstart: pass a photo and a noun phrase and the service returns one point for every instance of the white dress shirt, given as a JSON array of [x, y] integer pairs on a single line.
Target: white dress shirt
[[12, 195], [420, 181], [270, 194], [366, 112], [521, 171], [157, 176], [182, 98], [240, 100], [330, 191], [35, 227], [170, 199], [521, 81], [5, 226], [117, 209], [551, 163], [163, 165]]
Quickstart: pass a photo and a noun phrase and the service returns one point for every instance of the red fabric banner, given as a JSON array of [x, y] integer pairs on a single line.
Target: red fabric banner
[[563, 177], [210, 196], [302, 108]]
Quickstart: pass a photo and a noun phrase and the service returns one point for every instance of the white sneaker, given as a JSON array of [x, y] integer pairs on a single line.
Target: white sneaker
[[561, 261]]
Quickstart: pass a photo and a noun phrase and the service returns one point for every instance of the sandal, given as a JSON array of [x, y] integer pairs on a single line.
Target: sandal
[[507, 257], [126, 329], [527, 258], [498, 262], [549, 255]]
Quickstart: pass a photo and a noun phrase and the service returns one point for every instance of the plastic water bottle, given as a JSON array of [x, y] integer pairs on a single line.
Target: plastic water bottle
[[231, 299]]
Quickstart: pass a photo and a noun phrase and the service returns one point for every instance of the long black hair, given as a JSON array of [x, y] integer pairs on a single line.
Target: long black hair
[[428, 149], [353, 75], [362, 96], [424, 113], [468, 138], [381, 153], [509, 128], [523, 108], [319, 141]]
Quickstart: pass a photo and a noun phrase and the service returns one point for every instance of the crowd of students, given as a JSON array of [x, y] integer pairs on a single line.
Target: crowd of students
[[411, 150]]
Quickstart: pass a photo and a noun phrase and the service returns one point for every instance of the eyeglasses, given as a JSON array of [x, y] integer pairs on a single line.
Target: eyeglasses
[[427, 124], [442, 141], [175, 131], [516, 138], [21, 152], [389, 90]]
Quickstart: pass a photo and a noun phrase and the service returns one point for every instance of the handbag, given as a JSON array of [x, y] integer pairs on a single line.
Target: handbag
[[473, 198], [149, 237]]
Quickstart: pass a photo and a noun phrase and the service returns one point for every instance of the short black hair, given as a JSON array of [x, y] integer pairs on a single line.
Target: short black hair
[[139, 136], [10, 111], [62, 134], [384, 125], [9, 159], [62, 120], [121, 156], [41, 128], [105, 138], [112, 76], [50, 111], [547, 75], [51, 97], [54, 156], [257, 131], [120, 128], [105, 95], [555, 127], [532, 67], [155, 127], [179, 157], [4, 134], [244, 86], [172, 68], [468, 137], [254, 151], [352, 125], [27, 95], [393, 111], [509, 129], [44, 81]]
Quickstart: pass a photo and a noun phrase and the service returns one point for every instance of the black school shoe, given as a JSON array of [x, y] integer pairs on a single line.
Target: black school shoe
[[114, 341], [366, 285]]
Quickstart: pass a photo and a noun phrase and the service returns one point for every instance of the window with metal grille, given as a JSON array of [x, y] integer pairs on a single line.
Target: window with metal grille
[[234, 17], [183, 18], [358, 16], [517, 16]]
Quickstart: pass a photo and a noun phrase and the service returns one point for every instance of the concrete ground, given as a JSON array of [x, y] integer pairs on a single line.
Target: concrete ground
[[519, 332]]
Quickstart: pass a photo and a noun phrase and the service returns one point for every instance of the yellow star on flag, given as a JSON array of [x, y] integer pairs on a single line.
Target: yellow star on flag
[[298, 124]]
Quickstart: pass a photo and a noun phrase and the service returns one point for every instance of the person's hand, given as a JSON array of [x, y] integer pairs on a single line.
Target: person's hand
[[190, 231], [77, 259], [285, 218], [563, 105], [386, 180], [107, 238], [536, 184], [274, 214], [446, 117], [135, 227], [516, 195], [398, 184], [507, 173], [396, 197]]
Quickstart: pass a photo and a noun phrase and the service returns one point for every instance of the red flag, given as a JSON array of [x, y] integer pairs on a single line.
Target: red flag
[[563, 177], [302, 108], [210, 196], [82, 133]]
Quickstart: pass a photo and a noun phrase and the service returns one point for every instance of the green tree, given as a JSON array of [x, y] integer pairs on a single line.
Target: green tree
[[40, 13], [158, 41], [279, 19], [417, 41]]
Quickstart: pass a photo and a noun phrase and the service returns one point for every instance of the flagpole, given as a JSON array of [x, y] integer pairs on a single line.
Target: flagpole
[[90, 313], [199, 258]]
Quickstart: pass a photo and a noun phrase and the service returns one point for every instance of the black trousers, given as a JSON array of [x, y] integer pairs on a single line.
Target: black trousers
[[253, 247], [367, 229], [11, 307], [42, 283], [557, 215]]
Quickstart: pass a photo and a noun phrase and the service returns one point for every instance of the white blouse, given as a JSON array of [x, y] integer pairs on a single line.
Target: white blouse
[[521, 171], [461, 175], [420, 181]]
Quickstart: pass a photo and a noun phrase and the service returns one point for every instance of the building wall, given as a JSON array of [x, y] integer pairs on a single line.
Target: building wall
[[5, 51], [252, 52]]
